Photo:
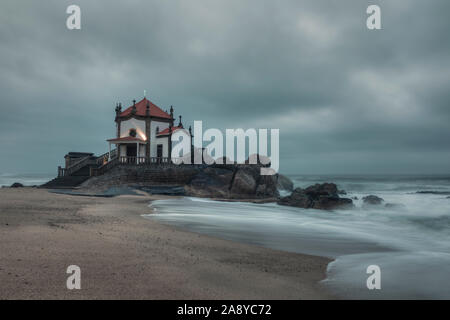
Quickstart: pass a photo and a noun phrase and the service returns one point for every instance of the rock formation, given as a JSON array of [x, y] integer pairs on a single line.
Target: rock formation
[[284, 183], [372, 200], [232, 182], [319, 196], [17, 185]]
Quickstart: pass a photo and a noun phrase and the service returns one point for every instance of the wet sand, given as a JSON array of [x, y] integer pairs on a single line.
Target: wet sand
[[124, 256]]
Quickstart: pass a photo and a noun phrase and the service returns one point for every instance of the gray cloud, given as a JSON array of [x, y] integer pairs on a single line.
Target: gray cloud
[[346, 99]]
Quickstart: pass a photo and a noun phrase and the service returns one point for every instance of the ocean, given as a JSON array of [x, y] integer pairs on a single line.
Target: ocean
[[31, 179], [409, 240]]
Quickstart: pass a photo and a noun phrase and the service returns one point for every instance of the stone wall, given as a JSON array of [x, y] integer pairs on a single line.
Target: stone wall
[[144, 175], [215, 181]]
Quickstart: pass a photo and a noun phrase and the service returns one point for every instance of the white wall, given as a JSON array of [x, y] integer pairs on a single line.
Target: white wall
[[165, 143], [139, 125], [142, 150], [185, 138], [126, 125], [123, 151], [153, 139]]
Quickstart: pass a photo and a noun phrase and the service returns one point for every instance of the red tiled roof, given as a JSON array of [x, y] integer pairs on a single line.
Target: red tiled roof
[[129, 138], [141, 110], [166, 131]]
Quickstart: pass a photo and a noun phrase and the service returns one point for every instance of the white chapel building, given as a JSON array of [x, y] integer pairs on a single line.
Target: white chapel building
[[144, 133]]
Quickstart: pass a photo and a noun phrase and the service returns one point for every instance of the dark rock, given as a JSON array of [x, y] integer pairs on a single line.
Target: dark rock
[[329, 203], [245, 181], [232, 182], [355, 198], [211, 182], [372, 200], [267, 187], [284, 183], [298, 198], [324, 189], [249, 183], [319, 196], [433, 192], [17, 185]]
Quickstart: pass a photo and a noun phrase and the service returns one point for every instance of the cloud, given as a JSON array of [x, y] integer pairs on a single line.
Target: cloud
[[338, 92]]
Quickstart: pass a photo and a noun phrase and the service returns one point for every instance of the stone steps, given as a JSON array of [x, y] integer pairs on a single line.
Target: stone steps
[[143, 175], [65, 182]]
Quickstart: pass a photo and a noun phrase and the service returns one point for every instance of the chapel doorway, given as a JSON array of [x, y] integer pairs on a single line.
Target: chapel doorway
[[131, 153], [159, 151]]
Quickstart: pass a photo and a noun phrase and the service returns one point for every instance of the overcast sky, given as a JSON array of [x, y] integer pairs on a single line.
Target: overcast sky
[[346, 99]]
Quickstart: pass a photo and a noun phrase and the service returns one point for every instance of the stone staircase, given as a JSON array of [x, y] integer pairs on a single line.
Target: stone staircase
[[123, 170], [76, 174], [65, 182]]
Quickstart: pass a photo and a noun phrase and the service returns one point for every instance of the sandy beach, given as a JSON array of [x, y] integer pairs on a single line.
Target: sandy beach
[[124, 256]]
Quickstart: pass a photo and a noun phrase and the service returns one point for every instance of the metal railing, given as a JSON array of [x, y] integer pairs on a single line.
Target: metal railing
[[61, 171], [105, 167], [89, 160], [144, 160], [103, 159], [130, 161], [80, 164], [100, 165]]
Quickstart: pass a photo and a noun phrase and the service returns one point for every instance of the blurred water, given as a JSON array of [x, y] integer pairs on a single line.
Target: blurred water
[[32, 179], [410, 242]]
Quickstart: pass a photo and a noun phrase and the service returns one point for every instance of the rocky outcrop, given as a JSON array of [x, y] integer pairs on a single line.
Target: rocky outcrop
[[232, 182], [319, 196], [226, 181], [284, 183], [330, 203], [17, 185], [298, 198], [245, 181], [372, 200], [267, 187], [433, 192], [210, 182]]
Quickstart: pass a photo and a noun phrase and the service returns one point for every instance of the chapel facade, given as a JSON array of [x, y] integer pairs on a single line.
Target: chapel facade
[[143, 133]]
